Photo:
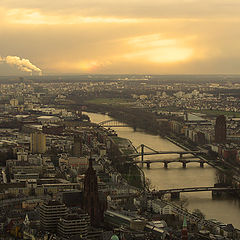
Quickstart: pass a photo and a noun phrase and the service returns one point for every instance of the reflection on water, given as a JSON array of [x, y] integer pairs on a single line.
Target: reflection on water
[[225, 210]]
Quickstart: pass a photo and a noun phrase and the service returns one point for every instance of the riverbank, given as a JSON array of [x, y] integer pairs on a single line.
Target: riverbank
[[177, 177], [134, 117]]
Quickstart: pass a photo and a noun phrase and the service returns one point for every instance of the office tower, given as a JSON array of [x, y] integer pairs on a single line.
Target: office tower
[[220, 129], [77, 146]]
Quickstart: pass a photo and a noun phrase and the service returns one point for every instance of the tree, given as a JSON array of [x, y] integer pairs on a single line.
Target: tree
[[148, 184], [183, 202], [198, 213]]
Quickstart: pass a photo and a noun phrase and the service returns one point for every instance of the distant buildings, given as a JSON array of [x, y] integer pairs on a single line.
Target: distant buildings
[[14, 102], [48, 119]]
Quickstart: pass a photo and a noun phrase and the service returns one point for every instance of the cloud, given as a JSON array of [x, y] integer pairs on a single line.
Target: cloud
[[132, 8], [34, 16], [23, 64]]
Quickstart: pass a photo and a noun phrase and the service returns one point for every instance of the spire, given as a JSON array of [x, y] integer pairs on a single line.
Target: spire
[[185, 222]]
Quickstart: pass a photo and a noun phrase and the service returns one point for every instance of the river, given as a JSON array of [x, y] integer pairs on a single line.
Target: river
[[224, 210]]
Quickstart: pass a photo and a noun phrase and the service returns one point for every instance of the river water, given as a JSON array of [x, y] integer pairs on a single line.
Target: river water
[[224, 210]]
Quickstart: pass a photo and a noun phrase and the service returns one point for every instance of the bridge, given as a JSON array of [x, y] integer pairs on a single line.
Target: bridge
[[175, 192], [112, 123], [142, 153], [183, 161]]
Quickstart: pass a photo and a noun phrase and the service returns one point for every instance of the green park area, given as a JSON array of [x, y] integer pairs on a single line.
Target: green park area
[[110, 101]]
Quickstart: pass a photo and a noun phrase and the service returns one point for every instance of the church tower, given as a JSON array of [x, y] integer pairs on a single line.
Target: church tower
[[91, 203]]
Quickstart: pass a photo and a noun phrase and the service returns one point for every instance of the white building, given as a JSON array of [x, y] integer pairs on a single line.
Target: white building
[[158, 206], [48, 119]]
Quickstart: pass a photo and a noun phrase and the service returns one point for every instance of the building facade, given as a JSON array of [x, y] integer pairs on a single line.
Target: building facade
[[38, 142], [50, 214], [74, 224]]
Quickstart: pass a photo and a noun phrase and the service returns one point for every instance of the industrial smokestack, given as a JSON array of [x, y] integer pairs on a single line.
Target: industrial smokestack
[[23, 64]]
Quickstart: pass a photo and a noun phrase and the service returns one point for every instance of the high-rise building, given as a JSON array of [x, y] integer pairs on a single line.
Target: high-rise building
[[220, 129], [77, 146], [74, 224], [91, 202], [50, 214], [38, 142]]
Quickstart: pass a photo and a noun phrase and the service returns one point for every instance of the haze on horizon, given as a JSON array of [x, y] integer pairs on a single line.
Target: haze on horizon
[[127, 36]]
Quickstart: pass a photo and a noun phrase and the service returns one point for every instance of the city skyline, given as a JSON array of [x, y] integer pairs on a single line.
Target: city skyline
[[136, 37]]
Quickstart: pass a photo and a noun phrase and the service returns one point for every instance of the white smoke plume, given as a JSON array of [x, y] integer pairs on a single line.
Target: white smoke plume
[[23, 64]]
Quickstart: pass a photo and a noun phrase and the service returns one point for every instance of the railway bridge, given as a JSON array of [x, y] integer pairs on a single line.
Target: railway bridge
[[175, 192]]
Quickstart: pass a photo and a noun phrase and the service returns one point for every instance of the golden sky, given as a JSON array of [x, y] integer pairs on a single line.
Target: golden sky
[[127, 36]]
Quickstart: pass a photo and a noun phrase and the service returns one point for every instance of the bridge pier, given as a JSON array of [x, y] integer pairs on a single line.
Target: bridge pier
[[202, 164], [165, 165], [142, 152], [148, 165], [216, 194], [184, 164], [175, 195]]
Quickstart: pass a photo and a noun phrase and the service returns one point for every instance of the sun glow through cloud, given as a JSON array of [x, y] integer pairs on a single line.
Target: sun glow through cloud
[[156, 49]]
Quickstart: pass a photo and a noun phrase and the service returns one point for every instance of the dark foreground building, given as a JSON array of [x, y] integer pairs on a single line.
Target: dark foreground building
[[74, 224], [50, 214]]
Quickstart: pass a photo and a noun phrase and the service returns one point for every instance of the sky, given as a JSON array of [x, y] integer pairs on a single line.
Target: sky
[[119, 37]]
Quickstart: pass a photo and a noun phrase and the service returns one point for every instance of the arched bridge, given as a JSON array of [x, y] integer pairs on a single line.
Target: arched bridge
[[112, 123]]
